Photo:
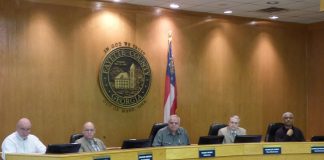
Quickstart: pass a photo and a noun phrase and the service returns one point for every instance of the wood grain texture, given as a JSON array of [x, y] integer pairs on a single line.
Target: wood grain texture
[[315, 80], [50, 56]]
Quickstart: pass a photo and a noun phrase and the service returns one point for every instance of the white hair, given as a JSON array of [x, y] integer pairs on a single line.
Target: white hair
[[174, 116], [235, 117]]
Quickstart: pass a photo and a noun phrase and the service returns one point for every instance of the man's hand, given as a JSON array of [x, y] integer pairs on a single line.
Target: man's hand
[[290, 132]]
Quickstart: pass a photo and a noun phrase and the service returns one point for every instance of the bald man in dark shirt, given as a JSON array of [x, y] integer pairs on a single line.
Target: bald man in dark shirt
[[288, 133]]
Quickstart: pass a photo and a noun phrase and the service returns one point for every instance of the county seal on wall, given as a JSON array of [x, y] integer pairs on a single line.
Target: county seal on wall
[[125, 75]]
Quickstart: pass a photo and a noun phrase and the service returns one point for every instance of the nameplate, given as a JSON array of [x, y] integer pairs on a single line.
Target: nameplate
[[318, 149], [207, 153], [148, 156], [272, 150], [102, 158]]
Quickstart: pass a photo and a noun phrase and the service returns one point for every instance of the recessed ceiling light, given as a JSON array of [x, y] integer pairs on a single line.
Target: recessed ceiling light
[[116, 0], [228, 12], [158, 11], [273, 2], [174, 5], [253, 23], [98, 5], [273, 17]]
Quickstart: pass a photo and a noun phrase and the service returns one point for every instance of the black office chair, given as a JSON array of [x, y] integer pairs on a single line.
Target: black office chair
[[155, 128], [271, 131], [75, 137], [213, 129], [317, 138]]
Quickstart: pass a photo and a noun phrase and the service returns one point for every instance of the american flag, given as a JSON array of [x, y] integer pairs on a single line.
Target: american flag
[[170, 96]]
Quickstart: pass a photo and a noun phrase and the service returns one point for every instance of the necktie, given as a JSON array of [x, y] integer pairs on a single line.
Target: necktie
[[233, 133], [95, 145]]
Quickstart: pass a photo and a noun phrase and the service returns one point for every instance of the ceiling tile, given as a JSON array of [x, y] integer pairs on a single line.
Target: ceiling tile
[[299, 11]]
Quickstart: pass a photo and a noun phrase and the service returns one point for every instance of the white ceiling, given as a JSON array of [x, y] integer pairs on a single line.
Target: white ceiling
[[299, 11]]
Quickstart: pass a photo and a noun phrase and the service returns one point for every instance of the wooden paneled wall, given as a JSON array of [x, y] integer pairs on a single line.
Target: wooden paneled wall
[[50, 56], [315, 80]]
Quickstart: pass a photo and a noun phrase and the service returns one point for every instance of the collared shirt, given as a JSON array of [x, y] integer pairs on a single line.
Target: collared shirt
[[281, 135], [16, 144], [164, 137], [91, 145], [229, 135]]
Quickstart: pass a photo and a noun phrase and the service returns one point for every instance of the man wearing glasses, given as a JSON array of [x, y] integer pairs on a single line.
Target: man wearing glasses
[[232, 130], [171, 135], [288, 133], [88, 142], [21, 141]]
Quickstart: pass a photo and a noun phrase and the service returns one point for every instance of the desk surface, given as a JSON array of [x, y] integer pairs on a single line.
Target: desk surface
[[247, 151]]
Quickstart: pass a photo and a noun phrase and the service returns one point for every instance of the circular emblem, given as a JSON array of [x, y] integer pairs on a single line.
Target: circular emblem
[[125, 77]]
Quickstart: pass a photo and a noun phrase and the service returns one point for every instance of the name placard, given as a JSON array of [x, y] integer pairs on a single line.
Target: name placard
[[272, 150], [317, 149], [102, 158], [147, 156], [205, 153]]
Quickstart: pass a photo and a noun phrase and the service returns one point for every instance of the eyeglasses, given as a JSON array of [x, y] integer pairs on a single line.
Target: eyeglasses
[[174, 123], [234, 122], [25, 129], [89, 130]]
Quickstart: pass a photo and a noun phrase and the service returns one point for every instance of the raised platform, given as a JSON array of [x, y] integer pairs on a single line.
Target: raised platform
[[248, 151]]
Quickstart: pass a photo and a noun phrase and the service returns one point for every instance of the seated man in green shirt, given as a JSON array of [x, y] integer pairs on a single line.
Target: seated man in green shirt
[[171, 135]]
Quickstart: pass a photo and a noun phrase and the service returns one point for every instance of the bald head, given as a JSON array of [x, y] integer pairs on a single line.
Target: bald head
[[174, 123], [23, 127], [287, 114], [88, 124], [288, 119], [89, 130], [174, 117]]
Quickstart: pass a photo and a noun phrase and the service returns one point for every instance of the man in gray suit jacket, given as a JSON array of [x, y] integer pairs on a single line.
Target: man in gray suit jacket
[[88, 142], [232, 130]]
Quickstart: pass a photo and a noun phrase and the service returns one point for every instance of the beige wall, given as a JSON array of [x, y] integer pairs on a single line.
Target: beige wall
[[50, 57]]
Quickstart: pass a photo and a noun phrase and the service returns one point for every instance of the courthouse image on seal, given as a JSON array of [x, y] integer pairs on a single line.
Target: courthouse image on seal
[[125, 77]]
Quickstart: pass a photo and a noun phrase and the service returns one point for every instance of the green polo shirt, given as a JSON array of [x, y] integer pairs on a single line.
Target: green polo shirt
[[164, 137]]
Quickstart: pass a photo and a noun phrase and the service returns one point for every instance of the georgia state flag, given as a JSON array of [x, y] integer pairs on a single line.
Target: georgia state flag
[[170, 96]]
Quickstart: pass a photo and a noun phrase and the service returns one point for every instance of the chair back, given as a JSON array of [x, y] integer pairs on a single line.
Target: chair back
[[271, 131], [317, 138], [155, 128], [75, 137], [213, 129]]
